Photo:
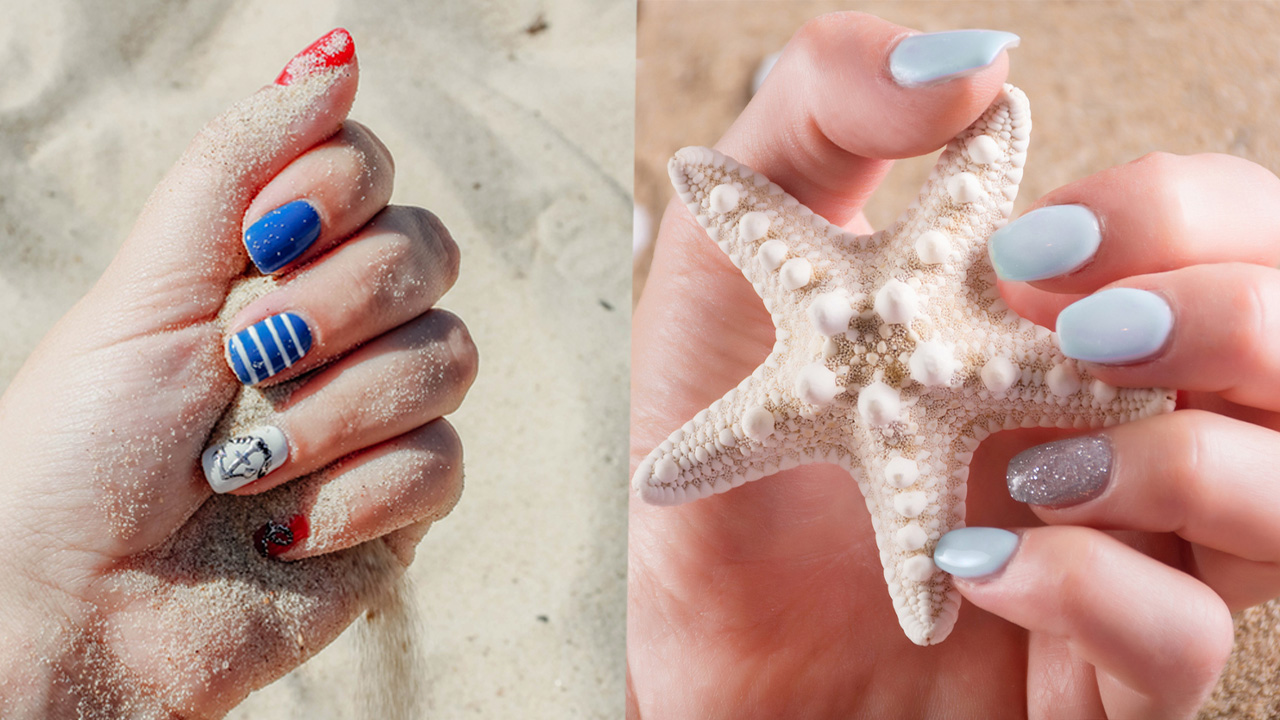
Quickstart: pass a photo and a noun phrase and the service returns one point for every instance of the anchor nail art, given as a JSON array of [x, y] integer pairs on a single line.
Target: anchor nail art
[[275, 538], [335, 49], [241, 460], [268, 347], [283, 234]]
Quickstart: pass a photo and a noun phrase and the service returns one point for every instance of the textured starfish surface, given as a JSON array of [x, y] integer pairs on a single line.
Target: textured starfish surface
[[895, 355]]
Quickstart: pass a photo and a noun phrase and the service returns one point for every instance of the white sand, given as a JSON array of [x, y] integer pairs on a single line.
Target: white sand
[[521, 143]]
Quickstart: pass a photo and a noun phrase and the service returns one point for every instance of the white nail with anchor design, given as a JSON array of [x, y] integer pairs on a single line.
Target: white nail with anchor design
[[245, 458]]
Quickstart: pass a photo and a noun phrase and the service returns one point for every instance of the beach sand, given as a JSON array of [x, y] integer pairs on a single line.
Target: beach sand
[[513, 123], [1108, 83]]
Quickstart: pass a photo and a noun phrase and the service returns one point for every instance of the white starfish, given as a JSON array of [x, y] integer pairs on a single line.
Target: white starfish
[[895, 355]]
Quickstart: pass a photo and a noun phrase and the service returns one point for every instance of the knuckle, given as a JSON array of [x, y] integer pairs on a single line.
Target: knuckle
[[1161, 175], [463, 357], [440, 469]]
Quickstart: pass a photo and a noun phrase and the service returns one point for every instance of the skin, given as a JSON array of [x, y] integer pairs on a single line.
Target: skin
[[769, 601], [104, 425]]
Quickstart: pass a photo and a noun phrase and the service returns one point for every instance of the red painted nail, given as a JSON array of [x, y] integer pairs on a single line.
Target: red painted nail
[[275, 538], [333, 50]]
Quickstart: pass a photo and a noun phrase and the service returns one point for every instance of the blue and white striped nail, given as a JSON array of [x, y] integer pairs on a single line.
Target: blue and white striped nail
[[268, 347]]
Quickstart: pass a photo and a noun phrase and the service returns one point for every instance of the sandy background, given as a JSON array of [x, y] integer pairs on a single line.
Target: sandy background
[[1108, 82], [513, 122]]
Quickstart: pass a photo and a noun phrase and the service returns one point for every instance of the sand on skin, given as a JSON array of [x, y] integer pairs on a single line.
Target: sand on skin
[[520, 142]]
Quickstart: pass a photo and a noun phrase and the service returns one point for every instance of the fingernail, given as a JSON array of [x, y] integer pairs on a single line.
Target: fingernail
[[1045, 243], [938, 57], [974, 552], [280, 236], [275, 538], [1061, 473], [1119, 325], [267, 347], [243, 459], [333, 50]]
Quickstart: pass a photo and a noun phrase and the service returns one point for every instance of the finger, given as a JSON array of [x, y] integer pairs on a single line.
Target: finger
[[1206, 477], [391, 271], [186, 247], [1209, 328], [413, 479], [328, 193], [831, 112], [404, 379], [1158, 213], [1157, 637]]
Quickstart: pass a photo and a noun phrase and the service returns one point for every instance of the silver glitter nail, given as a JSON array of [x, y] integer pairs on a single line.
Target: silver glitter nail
[[1061, 473]]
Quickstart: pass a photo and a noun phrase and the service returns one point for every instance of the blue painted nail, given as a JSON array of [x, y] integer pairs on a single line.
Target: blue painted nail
[[1045, 243], [1115, 326], [942, 56], [267, 347], [280, 236], [974, 552]]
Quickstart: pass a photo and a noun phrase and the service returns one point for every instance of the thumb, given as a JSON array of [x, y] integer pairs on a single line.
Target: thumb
[[186, 248]]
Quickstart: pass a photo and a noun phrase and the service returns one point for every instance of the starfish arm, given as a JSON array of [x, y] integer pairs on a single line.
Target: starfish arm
[[915, 486], [751, 432], [971, 190], [787, 252], [1049, 389]]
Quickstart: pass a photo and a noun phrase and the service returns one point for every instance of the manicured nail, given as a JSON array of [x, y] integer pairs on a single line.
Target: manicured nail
[[1045, 243], [275, 538], [1061, 473], [938, 57], [243, 459], [333, 50], [974, 552], [1119, 325], [280, 236], [267, 347]]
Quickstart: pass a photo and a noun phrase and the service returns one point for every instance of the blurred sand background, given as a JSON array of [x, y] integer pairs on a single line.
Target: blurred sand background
[[510, 120], [1108, 82]]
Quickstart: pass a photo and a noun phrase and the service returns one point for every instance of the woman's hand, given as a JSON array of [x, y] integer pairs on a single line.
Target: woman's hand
[[128, 587], [769, 601]]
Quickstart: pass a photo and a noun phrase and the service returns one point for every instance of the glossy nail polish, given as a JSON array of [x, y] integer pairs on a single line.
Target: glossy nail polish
[[275, 538], [1045, 243], [268, 347], [1119, 325], [1061, 473], [283, 234], [938, 57], [335, 49], [243, 459], [974, 552]]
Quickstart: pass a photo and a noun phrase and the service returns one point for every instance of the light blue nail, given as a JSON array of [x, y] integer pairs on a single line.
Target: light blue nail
[[1115, 326], [942, 56], [974, 551], [1045, 243]]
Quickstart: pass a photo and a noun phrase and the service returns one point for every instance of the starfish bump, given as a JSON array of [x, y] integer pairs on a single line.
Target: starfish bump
[[895, 355]]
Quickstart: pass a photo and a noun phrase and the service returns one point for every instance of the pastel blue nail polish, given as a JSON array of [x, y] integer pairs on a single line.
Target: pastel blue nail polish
[[974, 552], [1045, 243], [268, 347], [938, 57], [280, 236], [1119, 325]]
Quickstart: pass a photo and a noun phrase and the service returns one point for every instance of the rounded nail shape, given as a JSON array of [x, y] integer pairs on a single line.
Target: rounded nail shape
[[1119, 325], [974, 552], [268, 347], [275, 538], [1061, 473], [245, 458], [283, 234], [938, 57], [334, 49], [1045, 243]]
